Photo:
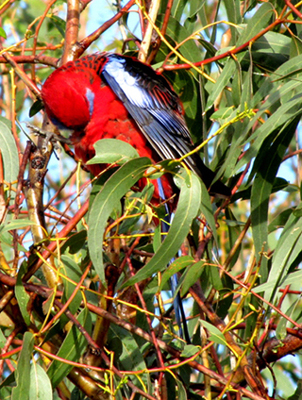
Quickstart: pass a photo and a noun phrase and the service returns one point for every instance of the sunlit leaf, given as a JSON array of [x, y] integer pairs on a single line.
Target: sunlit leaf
[[216, 335], [40, 386], [109, 151], [2, 33], [9, 153], [21, 391], [106, 201], [187, 209]]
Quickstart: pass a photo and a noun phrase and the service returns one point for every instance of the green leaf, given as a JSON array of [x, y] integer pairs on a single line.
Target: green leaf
[[280, 220], [189, 351], [3, 33], [157, 238], [181, 393], [278, 121], [207, 210], [187, 209], [75, 242], [111, 151], [287, 94], [191, 276], [127, 352], [185, 84], [298, 392], [72, 271], [130, 224], [35, 108], [7, 383], [295, 47], [273, 42], [281, 374], [233, 11], [9, 153], [223, 113], [178, 33], [21, 295], [71, 349], [222, 81], [16, 224], [288, 249], [178, 8], [292, 68], [173, 268], [258, 22], [262, 189], [247, 89], [59, 23], [195, 7], [130, 356], [216, 335], [40, 386], [225, 302], [287, 280], [281, 331], [105, 202], [21, 391], [7, 240], [2, 339], [215, 278]]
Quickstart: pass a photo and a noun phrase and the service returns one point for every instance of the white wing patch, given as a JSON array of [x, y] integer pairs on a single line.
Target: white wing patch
[[127, 83]]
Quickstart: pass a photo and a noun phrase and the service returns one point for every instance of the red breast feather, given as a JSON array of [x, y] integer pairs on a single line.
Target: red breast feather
[[76, 98]]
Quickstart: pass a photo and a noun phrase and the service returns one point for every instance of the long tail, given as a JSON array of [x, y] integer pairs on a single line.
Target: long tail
[[177, 303]]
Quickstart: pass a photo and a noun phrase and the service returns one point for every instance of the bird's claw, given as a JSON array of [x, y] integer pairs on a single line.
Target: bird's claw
[[49, 136]]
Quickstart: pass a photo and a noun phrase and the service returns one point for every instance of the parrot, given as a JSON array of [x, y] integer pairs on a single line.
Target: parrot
[[108, 95]]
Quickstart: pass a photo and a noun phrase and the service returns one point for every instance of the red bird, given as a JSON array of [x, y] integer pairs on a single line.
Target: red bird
[[107, 95]]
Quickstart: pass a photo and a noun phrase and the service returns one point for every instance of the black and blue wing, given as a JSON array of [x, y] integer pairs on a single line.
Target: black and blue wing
[[156, 109]]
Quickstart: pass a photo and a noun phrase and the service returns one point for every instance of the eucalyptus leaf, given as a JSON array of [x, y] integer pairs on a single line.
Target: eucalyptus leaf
[[105, 202], [187, 209], [109, 151]]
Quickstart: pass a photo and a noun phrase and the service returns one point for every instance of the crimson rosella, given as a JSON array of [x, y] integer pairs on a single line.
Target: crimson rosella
[[113, 96], [106, 95]]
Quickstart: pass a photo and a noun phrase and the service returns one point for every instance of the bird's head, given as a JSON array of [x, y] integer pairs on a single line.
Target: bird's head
[[68, 97]]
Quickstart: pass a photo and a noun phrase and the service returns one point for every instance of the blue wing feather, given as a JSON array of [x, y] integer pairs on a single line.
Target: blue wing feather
[[156, 109]]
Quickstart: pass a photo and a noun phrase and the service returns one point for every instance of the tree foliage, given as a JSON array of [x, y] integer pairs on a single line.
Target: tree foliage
[[86, 308]]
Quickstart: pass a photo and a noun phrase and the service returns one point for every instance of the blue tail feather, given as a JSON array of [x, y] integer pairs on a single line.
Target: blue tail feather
[[177, 303]]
